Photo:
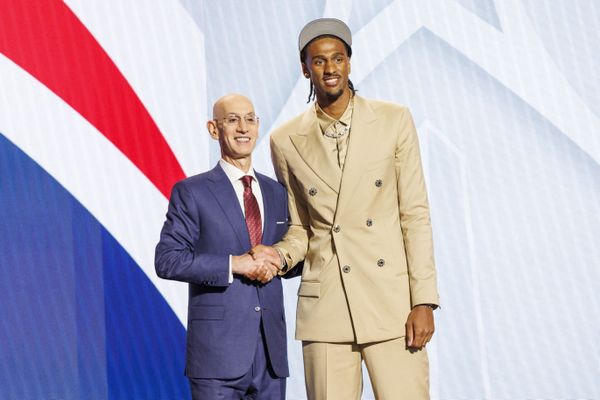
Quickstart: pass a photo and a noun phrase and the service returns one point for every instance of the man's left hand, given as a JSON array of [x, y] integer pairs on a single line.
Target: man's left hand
[[419, 326]]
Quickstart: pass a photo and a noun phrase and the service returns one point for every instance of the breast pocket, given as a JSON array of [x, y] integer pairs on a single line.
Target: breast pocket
[[280, 227]]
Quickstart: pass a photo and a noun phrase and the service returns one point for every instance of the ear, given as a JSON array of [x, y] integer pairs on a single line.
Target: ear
[[212, 129], [305, 71], [349, 66]]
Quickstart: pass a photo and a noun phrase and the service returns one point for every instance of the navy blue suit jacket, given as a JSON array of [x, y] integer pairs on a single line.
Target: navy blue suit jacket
[[204, 225]]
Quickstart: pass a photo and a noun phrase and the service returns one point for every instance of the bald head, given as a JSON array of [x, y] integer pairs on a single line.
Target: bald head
[[235, 126], [229, 103]]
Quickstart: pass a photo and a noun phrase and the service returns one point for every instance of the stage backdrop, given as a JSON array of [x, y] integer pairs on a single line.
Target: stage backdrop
[[102, 108]]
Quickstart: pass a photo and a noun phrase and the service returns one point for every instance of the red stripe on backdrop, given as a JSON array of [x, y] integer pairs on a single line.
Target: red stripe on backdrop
[[47, 40]]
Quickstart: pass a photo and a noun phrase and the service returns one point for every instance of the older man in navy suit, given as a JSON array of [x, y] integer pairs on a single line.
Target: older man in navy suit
[[236, 340]]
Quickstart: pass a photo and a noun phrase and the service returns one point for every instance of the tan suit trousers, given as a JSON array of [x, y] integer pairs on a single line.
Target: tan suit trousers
[[334, 370]]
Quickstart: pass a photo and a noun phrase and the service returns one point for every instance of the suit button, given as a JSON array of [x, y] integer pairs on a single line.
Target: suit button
[[337, 228], [257, 308], [380, 262], [369, 222], [378, 183], [346, 269], [312, 191]]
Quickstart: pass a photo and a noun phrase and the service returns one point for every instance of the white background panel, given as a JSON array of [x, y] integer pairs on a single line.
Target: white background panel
[[505, 95]]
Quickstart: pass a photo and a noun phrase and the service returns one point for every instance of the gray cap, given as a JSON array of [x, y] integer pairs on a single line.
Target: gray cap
[[324, 26]]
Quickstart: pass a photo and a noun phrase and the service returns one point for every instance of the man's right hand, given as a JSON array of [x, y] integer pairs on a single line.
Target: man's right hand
[[254, 269], [268, 254]]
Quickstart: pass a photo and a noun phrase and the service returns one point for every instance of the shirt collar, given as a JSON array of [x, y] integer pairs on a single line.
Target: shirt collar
[[326, 122], [234, 173]]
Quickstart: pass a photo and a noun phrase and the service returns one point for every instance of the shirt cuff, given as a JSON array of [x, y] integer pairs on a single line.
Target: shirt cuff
[[230, 273]]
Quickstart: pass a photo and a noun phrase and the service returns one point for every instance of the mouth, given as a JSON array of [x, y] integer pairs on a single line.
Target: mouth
[[331, 81], [242, 139]]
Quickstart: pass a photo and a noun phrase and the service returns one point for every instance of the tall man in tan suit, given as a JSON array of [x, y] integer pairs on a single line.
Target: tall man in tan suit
[[360, 220]]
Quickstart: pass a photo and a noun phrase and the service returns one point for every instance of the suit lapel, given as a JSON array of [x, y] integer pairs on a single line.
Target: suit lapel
[[308, 144], [268, 204], [223, 191], [361, 148]]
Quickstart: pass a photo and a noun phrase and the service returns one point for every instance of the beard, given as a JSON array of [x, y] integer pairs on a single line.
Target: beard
[[333, 96]]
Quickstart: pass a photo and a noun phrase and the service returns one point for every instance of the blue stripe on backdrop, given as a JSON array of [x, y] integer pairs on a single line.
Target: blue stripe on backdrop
[[80, 320], [145, 341]]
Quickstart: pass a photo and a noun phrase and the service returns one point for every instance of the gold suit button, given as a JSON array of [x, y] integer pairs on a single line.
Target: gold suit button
[[346, 269], [380, 262]]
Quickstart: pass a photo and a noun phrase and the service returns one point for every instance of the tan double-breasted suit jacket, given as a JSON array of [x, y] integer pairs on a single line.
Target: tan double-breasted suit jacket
[[364, 231]]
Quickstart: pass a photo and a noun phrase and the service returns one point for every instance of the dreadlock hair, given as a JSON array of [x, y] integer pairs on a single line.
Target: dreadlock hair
[[313, 93]]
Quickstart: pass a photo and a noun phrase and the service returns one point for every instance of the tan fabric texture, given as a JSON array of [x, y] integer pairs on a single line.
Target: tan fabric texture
[[333, 371], [364, 231], [336, 133]]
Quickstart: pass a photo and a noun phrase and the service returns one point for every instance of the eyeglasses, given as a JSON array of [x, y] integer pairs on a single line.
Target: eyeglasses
[[235, 120]]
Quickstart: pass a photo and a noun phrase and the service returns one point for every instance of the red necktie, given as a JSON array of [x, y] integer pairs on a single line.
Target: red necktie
[[253, 221]]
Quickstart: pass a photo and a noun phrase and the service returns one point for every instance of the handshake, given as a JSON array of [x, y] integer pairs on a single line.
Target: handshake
[[261, 264]]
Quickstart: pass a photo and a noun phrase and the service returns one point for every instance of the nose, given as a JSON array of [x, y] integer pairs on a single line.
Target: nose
[[242, 125], [329, 68]]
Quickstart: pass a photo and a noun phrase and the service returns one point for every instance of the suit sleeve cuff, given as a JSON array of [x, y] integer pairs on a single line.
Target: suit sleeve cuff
[[284, 261], [430, 305]]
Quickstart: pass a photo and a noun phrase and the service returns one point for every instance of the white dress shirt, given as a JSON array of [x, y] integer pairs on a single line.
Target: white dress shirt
[[235, 174]]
